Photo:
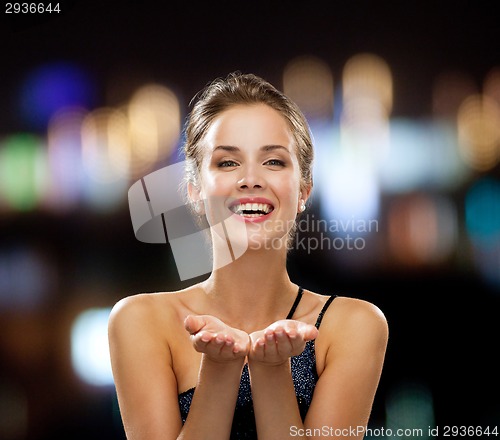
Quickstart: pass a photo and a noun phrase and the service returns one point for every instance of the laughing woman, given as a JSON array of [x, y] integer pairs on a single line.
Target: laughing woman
[[247, 353]]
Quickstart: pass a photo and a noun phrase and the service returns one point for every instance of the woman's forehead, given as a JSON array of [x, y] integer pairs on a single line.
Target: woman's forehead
[[245, 125]]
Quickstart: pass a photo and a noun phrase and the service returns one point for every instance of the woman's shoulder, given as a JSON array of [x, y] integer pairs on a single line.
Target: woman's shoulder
[[351, 308], [349, 316], [145, 309]]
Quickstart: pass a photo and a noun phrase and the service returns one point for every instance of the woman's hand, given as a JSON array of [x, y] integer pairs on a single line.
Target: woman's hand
[[281, 340], [217, 340]]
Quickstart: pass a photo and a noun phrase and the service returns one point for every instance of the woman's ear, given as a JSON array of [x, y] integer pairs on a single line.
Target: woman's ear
[[305, 192], [195, 197]]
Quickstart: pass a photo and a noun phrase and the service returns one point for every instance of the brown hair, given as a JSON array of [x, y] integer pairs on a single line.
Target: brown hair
[[238, 88]]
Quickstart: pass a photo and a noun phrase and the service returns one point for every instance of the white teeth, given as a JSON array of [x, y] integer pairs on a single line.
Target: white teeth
[[257, 208]]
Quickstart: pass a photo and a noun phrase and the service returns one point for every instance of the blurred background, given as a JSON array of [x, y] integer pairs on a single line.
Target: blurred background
[[404, 105]]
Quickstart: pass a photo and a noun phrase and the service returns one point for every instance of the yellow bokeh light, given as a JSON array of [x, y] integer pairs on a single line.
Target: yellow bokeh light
[[478, 125], [154, 125], [308, 81], [366, 105], [368, 77], [105, 145]]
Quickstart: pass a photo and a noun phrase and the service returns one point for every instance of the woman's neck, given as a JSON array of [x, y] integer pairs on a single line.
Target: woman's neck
[[253, 290]]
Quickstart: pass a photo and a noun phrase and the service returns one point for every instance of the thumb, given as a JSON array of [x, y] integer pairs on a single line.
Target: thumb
[[193, 324], [309, 332]]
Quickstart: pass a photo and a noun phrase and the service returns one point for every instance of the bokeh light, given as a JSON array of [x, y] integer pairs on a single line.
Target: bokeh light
[[89, 347], [105, 145], [65, 159], [367, 82], [422, 229], [366, 106], [50, 88], [308, 81], [423, 154], [478, 124], [106, 156], [410, 407], [28, 278], [359, 204], [482, 218], [155, 123], [24, 174]]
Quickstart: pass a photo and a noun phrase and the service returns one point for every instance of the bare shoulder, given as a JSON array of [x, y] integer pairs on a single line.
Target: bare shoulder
[[148, 311], [137, 309], [352, 321], [359, 312]]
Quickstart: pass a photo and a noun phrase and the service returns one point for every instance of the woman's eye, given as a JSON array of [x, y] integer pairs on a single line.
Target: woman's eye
[[275, 162], [227, 164]]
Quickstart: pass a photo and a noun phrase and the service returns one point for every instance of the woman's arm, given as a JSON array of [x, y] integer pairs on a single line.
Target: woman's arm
[[142, 369], [146, 384], [275, 403], [355, 335], [223, 353]]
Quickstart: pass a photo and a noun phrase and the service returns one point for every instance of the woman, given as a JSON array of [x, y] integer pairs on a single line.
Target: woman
[[246, 353]]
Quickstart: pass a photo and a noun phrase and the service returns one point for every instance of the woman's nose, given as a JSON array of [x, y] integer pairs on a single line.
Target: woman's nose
[[251, 178]]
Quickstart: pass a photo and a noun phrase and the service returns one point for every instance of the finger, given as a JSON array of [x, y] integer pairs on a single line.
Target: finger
[[269, 345], [202, 337], [222, 347], [207, 342], [237, 348], [292, 333], [193, 324], [227, 347], [284, 345], [201, 340], [235, 345], [308, 331], [219, 340], [259, 346]]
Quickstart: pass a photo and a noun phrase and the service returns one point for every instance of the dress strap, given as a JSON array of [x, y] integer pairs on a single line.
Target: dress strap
[[323, 310], [295, 303]]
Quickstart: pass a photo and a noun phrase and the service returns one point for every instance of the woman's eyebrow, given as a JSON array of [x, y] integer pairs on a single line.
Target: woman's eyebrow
[[226, 148], [274, 147], [265, 148]]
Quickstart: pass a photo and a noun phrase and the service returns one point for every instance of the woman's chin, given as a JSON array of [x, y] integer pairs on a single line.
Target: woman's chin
[[266, 243]]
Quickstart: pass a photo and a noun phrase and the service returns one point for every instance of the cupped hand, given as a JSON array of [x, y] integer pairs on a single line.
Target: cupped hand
[[281, 340], [216, 339]]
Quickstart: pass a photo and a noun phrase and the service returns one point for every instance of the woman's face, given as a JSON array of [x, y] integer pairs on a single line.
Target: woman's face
[[250, 173]]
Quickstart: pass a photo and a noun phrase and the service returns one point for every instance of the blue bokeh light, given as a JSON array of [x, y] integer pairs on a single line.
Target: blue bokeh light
[[50, 88], [482, 210]]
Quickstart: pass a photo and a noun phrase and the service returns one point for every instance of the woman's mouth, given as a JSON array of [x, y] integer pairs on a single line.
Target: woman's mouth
[[251, 210]]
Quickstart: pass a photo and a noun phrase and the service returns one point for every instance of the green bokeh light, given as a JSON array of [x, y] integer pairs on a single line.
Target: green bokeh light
[[23, 171]]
